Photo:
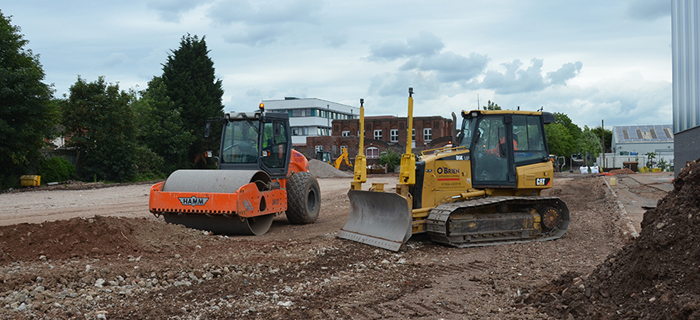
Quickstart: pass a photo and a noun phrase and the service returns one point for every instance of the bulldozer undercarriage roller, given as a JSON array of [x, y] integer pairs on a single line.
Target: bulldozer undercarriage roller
[[498, 220]]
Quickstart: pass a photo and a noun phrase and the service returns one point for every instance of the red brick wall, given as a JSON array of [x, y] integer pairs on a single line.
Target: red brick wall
[[441, 135]]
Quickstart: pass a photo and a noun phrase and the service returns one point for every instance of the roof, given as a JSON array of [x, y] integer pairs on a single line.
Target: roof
[[648, 133]]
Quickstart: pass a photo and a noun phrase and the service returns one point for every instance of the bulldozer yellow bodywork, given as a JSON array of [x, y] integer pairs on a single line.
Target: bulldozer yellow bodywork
[[484, 190]]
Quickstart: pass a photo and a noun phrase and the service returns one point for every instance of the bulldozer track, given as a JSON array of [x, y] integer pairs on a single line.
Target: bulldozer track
[[440, 216]]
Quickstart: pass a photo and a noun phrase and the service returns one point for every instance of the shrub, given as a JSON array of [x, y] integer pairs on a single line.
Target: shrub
[[56, 169], [390, 158], [148, 164]]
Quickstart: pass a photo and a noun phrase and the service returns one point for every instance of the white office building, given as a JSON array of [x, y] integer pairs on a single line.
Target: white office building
[[633, 143], [309, 117]]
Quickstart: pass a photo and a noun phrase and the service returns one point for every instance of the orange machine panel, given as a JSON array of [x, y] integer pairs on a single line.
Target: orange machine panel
[[247, 202]]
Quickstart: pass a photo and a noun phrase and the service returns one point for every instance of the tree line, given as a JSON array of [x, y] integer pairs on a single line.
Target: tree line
[[114, 135]]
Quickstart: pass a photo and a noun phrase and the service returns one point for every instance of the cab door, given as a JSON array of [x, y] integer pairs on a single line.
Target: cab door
[[492, 152], [276, 145]]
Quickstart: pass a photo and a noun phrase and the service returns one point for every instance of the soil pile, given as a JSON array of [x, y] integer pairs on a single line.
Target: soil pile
[[79, 237], [622, 171], [655, 277], [322, 169]]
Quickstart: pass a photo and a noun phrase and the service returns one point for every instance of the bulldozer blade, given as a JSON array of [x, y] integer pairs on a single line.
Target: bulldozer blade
[[380, 219]]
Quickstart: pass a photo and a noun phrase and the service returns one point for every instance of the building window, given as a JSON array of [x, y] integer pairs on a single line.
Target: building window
[[413, 138], [372, 153], [427, 134], [345, 133], [394, 134], [297, 113], [378, 134], [319, 148], [296, 131]]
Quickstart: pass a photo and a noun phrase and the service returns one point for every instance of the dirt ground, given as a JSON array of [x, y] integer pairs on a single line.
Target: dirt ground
[[97, 253]]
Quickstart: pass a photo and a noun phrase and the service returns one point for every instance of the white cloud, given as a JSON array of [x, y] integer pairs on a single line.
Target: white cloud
[[173, 10], [425, 44], [648, 9], [566, 72], [336, 40], [449, 66], [115, 59], [590, 56], [514, 79], [263, 22]]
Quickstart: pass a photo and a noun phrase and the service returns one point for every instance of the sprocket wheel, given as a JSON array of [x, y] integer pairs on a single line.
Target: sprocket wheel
[[551, 217]]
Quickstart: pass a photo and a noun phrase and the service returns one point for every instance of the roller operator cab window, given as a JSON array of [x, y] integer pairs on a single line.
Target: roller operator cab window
[[274, 153], [240, 142]]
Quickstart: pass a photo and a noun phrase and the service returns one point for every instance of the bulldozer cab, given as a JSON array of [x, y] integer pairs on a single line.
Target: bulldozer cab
[[256, 141], [499, 142]]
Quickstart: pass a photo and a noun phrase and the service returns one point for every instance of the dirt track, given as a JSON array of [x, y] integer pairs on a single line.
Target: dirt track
[[139, 267]]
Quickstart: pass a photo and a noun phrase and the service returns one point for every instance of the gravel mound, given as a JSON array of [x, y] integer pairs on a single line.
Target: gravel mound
[[655, 277], [322, 169]]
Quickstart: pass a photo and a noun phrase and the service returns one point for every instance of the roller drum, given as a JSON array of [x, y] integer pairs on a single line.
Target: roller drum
[[217, 181]]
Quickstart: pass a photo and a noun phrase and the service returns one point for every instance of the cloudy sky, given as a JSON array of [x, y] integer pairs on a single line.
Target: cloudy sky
[[592, 60]]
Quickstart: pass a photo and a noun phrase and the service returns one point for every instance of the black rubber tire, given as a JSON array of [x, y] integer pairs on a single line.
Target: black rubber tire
[[303, 198]]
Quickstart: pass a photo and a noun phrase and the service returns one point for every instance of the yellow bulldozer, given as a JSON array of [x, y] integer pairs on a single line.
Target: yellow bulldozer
[[485, 189]]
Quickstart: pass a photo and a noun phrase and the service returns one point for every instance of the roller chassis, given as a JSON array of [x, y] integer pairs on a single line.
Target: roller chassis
[[507, 219]]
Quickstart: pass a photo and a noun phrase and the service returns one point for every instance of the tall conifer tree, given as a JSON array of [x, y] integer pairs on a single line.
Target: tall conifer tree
[[192, 86]]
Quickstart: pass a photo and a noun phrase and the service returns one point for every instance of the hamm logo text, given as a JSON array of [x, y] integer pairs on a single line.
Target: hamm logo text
[[193, 201]]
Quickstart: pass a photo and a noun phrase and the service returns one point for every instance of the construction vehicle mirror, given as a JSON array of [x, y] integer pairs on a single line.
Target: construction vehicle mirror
[[207, 128]]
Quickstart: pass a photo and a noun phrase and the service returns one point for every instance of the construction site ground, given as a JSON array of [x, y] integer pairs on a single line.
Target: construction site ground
[[91, 251]]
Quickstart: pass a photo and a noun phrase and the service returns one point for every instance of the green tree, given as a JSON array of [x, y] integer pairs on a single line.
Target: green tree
[[27, 115], [563, 119], [390, 158], [651, 157], [607, 136], [161, 127], [491, 106], [589, 144], [559, 140], [191, 84], [100, 122]]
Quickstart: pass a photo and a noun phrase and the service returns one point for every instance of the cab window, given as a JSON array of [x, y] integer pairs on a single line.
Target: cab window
[[527, 132]]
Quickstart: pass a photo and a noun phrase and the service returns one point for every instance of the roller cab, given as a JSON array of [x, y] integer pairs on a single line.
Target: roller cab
[[259, 176]]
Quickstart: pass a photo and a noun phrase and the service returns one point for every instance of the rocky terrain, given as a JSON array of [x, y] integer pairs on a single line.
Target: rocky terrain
[[110, 264]]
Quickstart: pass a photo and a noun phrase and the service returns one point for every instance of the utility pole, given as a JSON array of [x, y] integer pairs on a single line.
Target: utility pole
[[602, 138]]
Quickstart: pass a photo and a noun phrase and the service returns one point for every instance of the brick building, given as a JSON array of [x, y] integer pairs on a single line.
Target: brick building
[[381, 133]]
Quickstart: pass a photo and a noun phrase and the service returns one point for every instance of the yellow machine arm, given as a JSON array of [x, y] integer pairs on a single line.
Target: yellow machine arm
[[408, 159], [360, 173], [343, 156]]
